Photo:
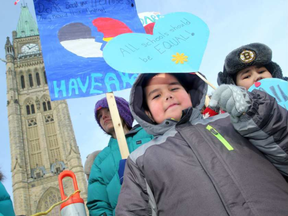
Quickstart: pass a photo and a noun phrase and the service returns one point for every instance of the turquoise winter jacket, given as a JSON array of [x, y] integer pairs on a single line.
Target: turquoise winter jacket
[[104, 184], [6, 207]]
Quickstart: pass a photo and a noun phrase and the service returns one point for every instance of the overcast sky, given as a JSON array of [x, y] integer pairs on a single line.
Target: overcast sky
[[232, 23]]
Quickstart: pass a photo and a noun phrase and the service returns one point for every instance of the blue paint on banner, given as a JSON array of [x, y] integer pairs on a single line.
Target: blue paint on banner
[[275, 87], [73, 35]]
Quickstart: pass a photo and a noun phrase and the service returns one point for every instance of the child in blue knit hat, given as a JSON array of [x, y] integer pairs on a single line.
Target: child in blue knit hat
[[104, 183], [103, 118]]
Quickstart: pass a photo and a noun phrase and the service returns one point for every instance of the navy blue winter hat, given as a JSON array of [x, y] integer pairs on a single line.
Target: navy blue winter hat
[[123, 108], [245, 56]]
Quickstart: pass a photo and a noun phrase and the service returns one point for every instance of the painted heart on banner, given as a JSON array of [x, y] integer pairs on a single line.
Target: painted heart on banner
[[177, 45], [257, 84]]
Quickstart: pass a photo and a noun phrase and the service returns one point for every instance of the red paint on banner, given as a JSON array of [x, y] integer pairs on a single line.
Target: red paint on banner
[[111, 27], [257, 84]]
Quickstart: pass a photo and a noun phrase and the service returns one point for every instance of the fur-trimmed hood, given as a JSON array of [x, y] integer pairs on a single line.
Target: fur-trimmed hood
[[196, 87]]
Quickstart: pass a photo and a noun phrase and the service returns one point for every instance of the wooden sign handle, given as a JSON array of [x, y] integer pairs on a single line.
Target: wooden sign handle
[[205, 80], [117, 125]]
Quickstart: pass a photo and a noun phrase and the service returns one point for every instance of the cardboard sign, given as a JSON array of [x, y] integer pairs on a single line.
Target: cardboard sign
[[73, 34], [277, 88], [177, 45]]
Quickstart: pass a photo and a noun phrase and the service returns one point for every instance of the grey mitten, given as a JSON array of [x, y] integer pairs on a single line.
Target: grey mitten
[[232, 99]]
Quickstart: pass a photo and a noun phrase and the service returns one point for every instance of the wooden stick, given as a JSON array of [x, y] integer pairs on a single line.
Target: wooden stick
[[205, 80], [117, 125], [207, 100]]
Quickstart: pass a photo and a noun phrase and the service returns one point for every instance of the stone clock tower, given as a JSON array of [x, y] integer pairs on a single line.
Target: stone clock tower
[[42, 141]]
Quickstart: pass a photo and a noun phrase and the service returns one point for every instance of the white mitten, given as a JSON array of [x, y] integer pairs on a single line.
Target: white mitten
[[232, 99]]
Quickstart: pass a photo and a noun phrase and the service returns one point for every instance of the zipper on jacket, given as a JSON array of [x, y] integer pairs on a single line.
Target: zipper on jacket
[[220, 137]]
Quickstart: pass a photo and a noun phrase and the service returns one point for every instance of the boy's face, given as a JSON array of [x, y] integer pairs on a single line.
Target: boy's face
[[105, 120], [166, 98], [248, 76]]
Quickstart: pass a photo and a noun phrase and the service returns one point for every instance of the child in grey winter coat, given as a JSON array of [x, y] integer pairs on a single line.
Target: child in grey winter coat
[[197, 166], [243, 67]]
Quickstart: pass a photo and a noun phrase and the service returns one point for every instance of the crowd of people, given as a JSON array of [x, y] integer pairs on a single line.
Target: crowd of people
[[232, 163]]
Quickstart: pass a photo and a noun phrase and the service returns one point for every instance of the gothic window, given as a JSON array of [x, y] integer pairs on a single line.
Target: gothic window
[[45, 78], [38, 79], [49, 198], [28, 109], [30, 80], [9, 50], [32, 109], [44, 106], [34, 145], [49, 105], [52, 140], [22, 82]]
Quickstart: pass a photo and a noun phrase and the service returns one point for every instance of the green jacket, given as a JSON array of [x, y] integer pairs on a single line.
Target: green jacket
[[104, 184], [6, 207]]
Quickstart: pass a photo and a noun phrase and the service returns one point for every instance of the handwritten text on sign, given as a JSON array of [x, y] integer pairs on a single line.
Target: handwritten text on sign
[[58, 10], [181, 33], [95, 83]]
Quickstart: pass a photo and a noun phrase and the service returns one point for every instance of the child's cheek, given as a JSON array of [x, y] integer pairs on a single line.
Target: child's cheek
[[158, 109]]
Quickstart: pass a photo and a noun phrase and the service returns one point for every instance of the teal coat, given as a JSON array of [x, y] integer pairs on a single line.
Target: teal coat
[[6, 207], [104, 184]]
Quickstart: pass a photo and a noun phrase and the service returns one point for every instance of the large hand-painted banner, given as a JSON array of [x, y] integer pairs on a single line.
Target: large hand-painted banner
[[73, 34]]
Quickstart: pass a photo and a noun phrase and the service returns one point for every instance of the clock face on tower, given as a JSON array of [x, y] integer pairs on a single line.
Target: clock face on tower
[[29, 48]]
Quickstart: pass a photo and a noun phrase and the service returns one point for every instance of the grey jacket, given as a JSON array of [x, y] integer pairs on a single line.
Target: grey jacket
[[204, 166]]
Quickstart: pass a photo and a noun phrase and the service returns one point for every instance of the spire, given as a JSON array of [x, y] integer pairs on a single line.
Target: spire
[[8, 43], [8, 47], [26, 24]]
